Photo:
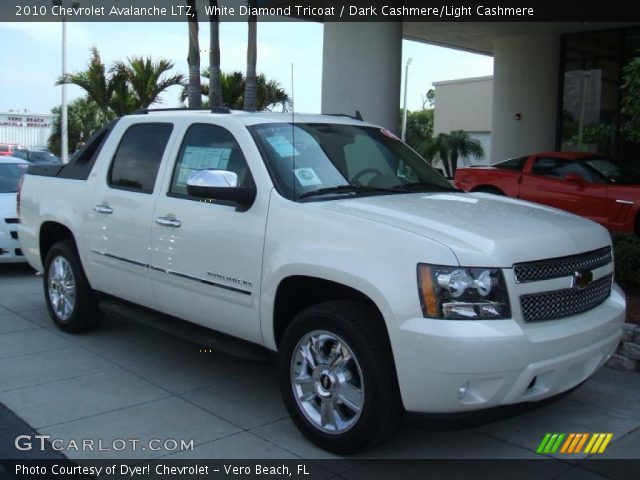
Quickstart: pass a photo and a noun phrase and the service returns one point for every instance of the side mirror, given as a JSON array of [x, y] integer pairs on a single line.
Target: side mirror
[[219, 185], [575, 179]]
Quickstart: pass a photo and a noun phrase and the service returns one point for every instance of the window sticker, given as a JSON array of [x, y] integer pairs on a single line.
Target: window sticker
[[387, 133], [282, 145], [200, 158], [307, 177]]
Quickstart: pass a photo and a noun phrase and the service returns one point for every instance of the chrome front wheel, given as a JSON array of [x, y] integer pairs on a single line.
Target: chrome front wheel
[[327, 382], [61, 286], [337, 376]]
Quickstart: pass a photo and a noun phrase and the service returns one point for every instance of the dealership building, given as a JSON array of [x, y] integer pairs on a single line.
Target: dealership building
[[555, 85], [30, 130]]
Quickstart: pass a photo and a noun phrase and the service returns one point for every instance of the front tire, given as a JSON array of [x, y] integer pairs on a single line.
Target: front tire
[[70, 300], [337, 377]]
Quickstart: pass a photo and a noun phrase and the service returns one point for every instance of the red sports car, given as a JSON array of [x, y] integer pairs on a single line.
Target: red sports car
[[586, 184]]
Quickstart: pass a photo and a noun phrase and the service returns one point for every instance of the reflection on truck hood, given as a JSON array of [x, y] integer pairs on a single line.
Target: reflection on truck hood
[[481, 229]]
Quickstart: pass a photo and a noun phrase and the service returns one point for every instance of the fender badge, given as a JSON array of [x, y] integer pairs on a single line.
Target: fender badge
[[581, 278]]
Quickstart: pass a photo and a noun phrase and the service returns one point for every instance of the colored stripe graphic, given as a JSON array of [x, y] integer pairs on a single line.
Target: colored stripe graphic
[[543, 443], [599, 442], [550, 443], [572, 443]]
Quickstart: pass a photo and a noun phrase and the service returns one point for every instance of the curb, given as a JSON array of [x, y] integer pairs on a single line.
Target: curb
[[627, 355]]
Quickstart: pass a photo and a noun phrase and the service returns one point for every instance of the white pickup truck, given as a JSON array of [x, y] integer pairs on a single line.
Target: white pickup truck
[[381, 287]]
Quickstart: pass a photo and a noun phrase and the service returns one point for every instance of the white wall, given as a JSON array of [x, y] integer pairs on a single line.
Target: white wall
[[463, 104], [361, 65], [526, 71]]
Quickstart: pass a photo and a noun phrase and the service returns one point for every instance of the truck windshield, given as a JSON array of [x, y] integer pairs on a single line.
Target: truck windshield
[[324, 161], [10, 174]]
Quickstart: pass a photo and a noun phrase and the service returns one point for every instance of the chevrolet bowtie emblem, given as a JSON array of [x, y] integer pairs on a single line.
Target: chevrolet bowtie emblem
[[581, 278]]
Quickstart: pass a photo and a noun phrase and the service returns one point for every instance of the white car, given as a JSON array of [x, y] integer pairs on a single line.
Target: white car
[[11, 169], [381, 287]]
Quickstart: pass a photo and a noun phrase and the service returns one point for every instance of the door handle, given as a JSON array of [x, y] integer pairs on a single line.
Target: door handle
[[106, 209], [168, 222]]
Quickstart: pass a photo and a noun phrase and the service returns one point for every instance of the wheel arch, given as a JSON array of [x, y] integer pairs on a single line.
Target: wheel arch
[[51, 233], [297, 292]]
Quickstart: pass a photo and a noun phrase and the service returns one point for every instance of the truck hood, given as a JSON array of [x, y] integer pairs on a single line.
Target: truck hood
[[480, 229]]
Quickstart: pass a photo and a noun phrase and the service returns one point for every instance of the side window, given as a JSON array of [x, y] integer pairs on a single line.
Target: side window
[[513, 164], [206, 147], [558, 168], [137, 160], [548, 167]]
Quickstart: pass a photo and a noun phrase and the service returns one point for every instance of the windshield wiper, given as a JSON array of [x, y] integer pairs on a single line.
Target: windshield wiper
[[424, 186], [347, 189]]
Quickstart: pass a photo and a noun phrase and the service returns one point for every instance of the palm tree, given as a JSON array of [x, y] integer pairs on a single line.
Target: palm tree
[[449, 147], [437, 146], [193, 59], [125, 87], [462, 145], [85, 118], [251, 86], [215, 88], [145, 78], [270, 93], [93, 81]]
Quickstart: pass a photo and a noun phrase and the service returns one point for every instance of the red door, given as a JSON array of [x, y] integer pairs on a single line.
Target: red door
[[567, 185]]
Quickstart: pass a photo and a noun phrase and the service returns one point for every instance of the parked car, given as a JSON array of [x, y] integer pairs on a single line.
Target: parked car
[[36, 156], [7, 149], [593, 186], [381, 287], [11, 170]]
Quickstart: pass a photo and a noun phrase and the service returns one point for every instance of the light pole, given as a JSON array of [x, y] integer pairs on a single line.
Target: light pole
[[404, 106], [64, 132]]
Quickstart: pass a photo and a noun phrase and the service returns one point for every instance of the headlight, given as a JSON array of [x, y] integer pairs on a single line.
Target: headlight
[[460, 293]]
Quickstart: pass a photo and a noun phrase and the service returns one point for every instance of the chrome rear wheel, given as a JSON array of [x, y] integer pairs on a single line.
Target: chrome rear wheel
[[61, 286]]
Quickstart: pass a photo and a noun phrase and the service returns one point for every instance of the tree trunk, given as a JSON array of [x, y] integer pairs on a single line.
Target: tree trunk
[[454, 163], [251, 86], [195, 95], [445, 164], [215, 87]]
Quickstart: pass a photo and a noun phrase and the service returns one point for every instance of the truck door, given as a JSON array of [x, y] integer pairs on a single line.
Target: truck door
[[118, 225], [207, 255]]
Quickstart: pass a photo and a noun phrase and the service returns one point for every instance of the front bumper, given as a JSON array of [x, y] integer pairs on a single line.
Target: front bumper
[[449, 366], [10, 251]]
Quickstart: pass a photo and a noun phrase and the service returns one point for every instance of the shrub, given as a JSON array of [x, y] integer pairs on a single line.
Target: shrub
[[627, 253]]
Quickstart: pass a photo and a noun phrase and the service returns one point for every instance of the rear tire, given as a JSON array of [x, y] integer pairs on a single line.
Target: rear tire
[[70, 300], [493, 190], [337, 377]]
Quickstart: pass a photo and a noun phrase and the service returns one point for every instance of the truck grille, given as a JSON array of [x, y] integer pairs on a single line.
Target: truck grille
[[538, 307], [561, 267]]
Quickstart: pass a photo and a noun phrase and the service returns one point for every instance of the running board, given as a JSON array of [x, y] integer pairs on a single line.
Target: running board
[[209, 339]]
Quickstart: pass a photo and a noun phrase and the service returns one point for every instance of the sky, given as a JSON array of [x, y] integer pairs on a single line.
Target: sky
[[32, 58]]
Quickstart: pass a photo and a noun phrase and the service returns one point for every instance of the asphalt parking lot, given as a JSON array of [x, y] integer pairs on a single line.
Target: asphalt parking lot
[[127, 380]]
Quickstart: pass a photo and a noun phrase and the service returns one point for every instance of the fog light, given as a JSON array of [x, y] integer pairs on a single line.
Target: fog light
[[462, 391]]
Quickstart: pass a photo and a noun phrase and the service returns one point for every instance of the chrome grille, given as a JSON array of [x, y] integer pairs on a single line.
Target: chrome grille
[[537, 307], [561, 267]]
